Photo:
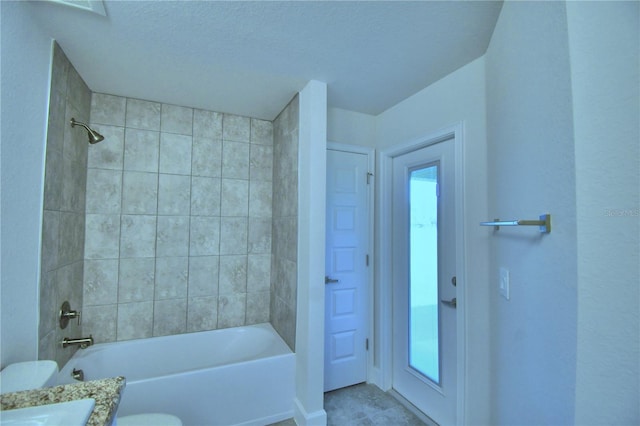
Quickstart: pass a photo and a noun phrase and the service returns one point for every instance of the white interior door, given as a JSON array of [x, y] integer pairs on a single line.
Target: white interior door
[[424, 304], [346, 289]]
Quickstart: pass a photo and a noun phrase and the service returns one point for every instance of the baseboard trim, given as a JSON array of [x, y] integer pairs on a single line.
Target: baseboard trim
[[302, 418]]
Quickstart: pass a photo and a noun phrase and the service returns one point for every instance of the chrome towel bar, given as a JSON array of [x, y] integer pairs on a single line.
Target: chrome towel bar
[[544, 223]]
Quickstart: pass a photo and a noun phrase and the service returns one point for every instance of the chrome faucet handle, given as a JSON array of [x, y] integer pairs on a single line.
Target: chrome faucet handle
[[66, 313]]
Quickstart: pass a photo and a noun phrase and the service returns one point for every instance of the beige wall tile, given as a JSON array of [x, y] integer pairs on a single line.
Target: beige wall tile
[[176, 119], [143, 115]]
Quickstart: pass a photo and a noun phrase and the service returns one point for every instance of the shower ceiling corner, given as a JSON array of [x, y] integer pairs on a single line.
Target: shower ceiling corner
[[95, 6]]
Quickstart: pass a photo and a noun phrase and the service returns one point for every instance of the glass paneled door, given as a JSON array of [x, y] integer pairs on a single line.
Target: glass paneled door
[[424, 304]]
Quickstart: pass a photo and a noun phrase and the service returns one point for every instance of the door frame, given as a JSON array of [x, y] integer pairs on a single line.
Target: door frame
[[371, 164], [383, 374]]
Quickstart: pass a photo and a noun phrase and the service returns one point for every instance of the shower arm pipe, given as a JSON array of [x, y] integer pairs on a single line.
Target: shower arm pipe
[[94, 137]]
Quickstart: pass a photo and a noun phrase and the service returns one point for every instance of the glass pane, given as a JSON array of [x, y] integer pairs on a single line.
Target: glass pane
[[423, 274]]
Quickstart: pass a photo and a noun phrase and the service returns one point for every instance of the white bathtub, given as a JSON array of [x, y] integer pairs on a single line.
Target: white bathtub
[[234, 376]]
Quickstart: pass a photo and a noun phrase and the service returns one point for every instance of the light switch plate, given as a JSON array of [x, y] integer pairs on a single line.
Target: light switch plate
[[504, 283]]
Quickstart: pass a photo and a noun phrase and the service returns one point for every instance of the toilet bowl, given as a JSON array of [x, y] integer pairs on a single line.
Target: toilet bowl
[[31, 375], [151, 419]]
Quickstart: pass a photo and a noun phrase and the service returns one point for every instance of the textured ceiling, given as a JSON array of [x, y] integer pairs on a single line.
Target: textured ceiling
[[250, 58]]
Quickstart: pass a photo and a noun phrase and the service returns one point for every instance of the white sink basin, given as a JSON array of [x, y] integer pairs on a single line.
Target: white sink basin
[[72, 413]]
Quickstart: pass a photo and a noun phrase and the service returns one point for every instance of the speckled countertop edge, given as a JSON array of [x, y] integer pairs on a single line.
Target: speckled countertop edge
[[106, 392]]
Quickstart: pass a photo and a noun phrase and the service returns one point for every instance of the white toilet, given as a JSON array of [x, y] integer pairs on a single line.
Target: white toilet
[[28, 375], [150, 419], [41, 374]]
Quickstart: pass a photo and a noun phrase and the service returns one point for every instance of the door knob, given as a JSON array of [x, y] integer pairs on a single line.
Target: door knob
[[453, 302], [328, 280]]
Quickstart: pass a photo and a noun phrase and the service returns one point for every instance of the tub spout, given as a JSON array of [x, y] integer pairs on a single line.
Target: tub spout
[[83, 342]]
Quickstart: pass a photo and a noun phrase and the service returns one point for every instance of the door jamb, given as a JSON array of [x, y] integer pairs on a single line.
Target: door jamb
[[371, 163], [383, 374]]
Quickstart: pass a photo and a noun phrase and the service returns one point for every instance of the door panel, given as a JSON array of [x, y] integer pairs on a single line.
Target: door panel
[[423, 232], [346, 290]]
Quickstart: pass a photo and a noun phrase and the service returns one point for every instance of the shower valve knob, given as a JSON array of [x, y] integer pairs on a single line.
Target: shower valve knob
[[66, 314]]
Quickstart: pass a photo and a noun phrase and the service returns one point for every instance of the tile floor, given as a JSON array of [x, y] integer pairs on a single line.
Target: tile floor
[[364, 405]]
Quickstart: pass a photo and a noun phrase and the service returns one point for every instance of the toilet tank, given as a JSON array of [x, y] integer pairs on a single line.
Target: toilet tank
[[28, 375]]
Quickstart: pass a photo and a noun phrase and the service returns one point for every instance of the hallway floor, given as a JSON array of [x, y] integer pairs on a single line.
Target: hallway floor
[[364, 405]]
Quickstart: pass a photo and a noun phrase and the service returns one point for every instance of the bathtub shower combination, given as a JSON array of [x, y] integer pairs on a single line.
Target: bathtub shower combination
[[234, 376]]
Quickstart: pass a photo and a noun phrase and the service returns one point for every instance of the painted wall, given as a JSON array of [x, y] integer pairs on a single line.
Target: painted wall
[[605, 72], [351, 127], [62, 254], [530, 172], [26, 57], [459, 97], [308, 403]]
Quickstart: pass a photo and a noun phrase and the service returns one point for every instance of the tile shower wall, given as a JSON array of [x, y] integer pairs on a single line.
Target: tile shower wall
[[61, 263], [178, 220], [284, 264]]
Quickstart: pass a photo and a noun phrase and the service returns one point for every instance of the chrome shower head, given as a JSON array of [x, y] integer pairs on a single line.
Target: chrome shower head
[[94, 137]]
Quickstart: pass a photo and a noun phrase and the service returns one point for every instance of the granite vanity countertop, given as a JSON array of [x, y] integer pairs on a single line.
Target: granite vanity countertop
[[106, 392]]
